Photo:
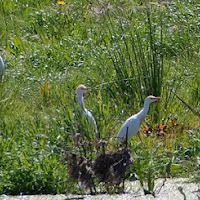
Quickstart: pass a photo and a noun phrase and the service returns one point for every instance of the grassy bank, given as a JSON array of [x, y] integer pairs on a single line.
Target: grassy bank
[[124, 51]]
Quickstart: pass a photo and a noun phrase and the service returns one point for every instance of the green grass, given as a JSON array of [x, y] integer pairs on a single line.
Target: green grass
[[124, 52]]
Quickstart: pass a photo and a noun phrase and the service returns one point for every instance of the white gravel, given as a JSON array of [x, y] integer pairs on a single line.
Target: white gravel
[[169, 191]]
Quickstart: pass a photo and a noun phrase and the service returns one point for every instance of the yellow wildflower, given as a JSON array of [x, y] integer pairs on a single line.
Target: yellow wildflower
[[163, 7], [61, 3]]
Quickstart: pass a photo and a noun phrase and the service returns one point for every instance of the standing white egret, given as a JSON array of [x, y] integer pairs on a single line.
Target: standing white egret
[[131, 125], [80, 91], [2, 68]]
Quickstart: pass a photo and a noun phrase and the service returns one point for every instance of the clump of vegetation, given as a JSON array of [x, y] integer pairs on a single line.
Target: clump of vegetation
[[80, 169], [108, 167]]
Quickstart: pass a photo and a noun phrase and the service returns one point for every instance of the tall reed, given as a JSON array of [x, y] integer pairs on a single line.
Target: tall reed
[[136, 53]]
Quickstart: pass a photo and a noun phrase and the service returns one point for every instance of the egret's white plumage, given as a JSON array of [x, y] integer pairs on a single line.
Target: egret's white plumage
[[133, 123], [2, 68], [80, 91]]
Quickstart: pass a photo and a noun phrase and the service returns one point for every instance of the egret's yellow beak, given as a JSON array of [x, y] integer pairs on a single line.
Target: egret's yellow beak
[[157, 98], [87, 88]]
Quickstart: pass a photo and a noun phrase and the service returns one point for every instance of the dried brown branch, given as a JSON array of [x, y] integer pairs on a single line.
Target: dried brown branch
[[188, 106]]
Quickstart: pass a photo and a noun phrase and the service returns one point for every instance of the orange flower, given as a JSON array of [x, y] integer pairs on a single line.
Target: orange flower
[[161, 128], [148, 130], [61, 3]]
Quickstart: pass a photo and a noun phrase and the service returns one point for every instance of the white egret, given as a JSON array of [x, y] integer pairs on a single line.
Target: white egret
[[2, 68], [87, 114], [131, 125]]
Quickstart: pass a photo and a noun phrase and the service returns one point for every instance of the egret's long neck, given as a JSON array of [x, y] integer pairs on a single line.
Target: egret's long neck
[[81, 101], [144, 110]]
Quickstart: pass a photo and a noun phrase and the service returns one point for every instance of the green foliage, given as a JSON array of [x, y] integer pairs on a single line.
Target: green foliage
[[124, 51]]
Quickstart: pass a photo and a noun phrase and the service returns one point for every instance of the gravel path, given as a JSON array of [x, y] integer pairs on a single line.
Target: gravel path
[[170, 191]]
